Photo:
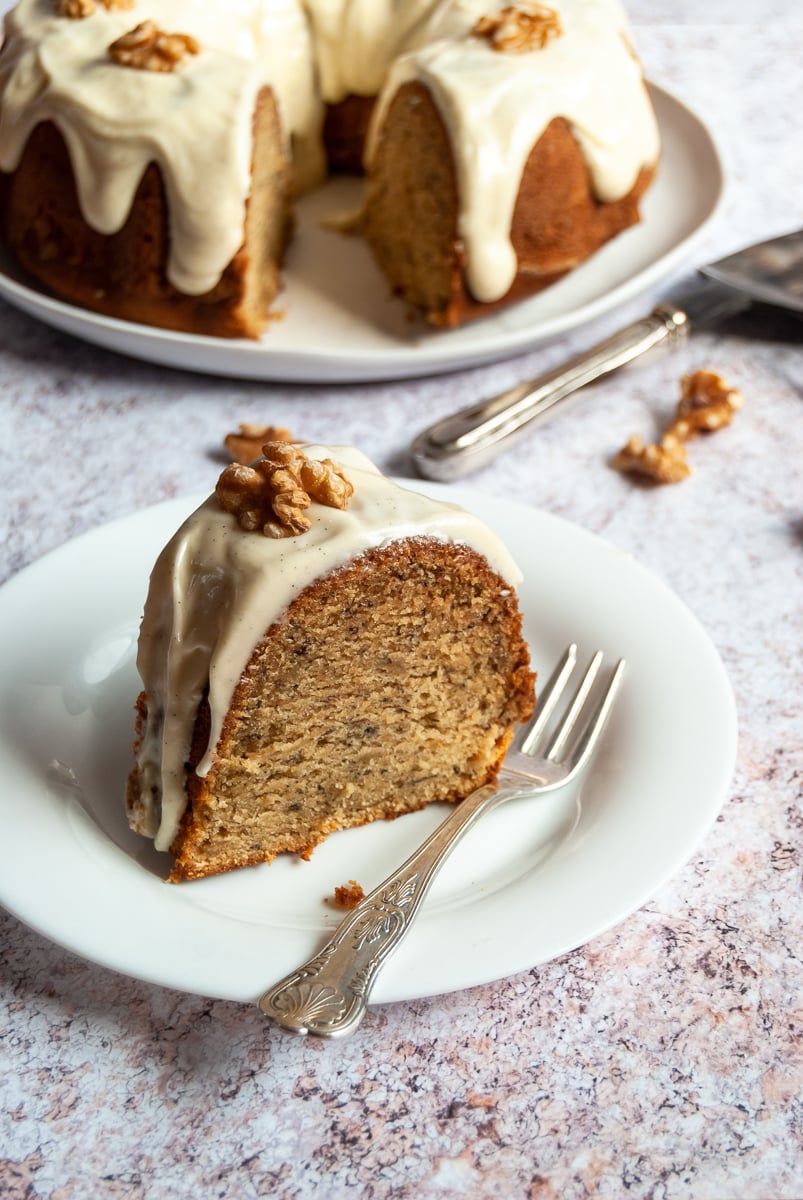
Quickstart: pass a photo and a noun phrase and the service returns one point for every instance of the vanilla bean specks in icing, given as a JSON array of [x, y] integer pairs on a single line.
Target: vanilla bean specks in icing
[[196, 122], [216, 589]]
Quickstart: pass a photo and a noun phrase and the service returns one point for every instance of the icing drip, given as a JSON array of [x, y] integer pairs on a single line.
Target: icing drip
[[216, 589], [356, 41]]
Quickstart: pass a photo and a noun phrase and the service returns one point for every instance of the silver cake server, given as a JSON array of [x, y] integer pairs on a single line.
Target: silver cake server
[[771, 272]]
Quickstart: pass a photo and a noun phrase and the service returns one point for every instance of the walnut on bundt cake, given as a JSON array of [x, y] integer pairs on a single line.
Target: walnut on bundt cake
[[320, 648], [150, 153]]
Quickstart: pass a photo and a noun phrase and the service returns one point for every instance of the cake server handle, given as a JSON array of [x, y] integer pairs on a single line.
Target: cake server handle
[[457, 445], [328, 995]]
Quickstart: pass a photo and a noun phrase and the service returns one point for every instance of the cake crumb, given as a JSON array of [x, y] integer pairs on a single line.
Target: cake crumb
[[347, 895], [348, 223]]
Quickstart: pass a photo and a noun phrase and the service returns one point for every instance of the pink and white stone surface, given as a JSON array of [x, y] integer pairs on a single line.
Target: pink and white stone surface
[[663, 1059]]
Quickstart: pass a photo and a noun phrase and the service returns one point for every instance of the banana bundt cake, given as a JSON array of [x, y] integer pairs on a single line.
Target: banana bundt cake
[[151, 154], [320, 648]]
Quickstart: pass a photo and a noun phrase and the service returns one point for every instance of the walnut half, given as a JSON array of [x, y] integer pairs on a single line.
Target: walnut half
[[707, 403], [519, 28], [348, 895], [149, 48], [660, 462], [272, 496]]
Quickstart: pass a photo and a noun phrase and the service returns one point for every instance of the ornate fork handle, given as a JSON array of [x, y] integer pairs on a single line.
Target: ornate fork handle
[[328, 995]]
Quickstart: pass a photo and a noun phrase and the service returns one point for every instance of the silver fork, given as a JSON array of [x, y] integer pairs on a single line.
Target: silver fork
[[329, 994]]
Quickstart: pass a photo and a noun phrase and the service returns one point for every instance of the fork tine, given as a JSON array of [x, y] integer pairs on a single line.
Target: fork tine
[[549, 697], [593, 729], [563, 732]]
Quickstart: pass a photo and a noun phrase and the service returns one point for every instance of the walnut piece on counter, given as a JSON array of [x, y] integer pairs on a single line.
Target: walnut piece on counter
[[271, 497], [348, 895], [246, 444], [662, 462], [519, 28], [149, 48], [707, 403]]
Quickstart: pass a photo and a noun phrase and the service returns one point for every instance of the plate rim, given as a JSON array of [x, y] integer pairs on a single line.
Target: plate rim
[[261, 360], [390, 987]]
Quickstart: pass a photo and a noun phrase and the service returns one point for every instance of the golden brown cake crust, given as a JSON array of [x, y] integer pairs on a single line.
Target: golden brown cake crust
[[392, 683], [557, 222], [124, 274]]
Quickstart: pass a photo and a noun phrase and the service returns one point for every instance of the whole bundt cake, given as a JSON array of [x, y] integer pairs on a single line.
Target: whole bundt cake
[[151, 154]]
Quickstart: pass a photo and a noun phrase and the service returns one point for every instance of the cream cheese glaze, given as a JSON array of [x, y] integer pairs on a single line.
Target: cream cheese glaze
[[215, 590], [196, 122]]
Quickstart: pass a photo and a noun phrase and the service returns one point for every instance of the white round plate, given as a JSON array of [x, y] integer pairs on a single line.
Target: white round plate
[[339, 322], [534, 881]]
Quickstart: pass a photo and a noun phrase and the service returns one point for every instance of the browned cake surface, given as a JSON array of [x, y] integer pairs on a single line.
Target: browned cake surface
[[412, 208], [124, 274], [393, 683]]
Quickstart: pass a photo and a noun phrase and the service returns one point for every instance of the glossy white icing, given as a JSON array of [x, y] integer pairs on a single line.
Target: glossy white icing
[[215, 590]]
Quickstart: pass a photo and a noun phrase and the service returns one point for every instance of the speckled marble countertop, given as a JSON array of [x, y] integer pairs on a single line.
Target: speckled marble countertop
[[661, 1060]]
